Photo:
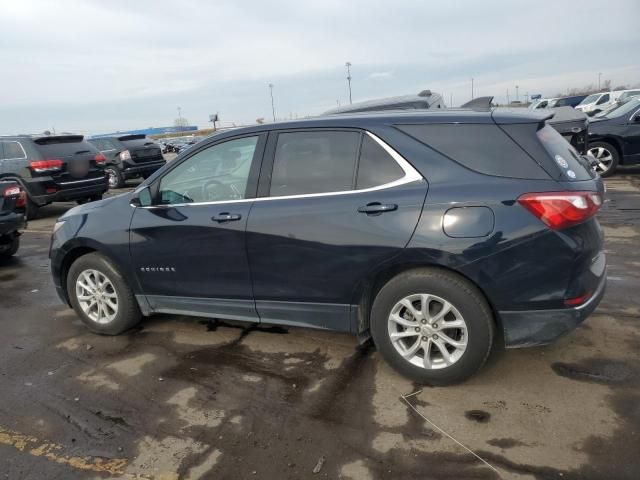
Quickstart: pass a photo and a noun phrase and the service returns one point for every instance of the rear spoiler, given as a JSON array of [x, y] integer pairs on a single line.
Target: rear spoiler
[[132, 137], [51, 139]]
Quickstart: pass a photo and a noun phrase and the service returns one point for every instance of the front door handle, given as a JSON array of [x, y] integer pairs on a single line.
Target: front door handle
[[377, 208], [226, 217]]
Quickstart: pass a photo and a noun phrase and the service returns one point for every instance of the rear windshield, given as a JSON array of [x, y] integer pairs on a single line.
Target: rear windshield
[[572, 165], [483, 148], [137, 142], [55, 147]]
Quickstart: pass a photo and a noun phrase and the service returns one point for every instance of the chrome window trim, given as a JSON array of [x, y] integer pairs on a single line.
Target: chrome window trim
[[410, 175], [24, 157]]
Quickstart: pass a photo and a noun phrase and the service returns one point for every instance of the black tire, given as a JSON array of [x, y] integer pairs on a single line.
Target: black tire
[[128, 314], [14, 245], [468, 301], [115, 177], [615, 156], [32, 209], [95, 198]]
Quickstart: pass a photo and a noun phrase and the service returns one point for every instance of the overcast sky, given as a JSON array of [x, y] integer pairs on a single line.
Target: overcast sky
[[97, 66]]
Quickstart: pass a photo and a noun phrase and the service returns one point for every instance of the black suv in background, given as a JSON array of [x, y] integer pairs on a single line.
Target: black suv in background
[[11, 218], [53, 168], [129, 156], [433, 231]]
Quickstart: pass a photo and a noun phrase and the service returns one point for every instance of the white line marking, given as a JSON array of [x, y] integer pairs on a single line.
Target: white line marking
[[404, 397]]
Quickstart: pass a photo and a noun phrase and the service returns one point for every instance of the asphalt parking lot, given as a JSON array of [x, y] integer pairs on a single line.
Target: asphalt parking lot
[[184, 398]]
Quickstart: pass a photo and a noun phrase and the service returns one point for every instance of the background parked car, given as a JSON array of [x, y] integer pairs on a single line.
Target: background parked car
[[614, 139], [12, 202], [597, 102], [53, 168], [129, 156], [424, 100]]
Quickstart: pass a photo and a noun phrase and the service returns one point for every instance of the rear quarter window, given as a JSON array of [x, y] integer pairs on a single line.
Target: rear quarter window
[[572, 165], [483, 148]]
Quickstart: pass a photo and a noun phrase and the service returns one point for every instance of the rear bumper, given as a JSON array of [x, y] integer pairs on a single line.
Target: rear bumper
[[539, 327], [65, 191], [129, 170]]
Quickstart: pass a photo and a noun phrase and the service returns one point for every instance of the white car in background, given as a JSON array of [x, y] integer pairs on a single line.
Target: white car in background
[[597, 102], [542, 103]]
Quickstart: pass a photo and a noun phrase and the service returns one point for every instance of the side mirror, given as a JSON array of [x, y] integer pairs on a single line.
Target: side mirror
[[142, 198]]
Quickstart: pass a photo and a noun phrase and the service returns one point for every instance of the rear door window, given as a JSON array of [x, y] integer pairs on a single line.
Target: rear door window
[[376, 167], [484, 148], [314, 162], [572, 165], [603, 99]]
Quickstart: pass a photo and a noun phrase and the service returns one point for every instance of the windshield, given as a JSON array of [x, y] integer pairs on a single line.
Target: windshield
[[590, 99], [623, 110]]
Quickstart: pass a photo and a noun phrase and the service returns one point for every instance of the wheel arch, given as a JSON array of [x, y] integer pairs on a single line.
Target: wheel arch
[[366, 293], [80, 248]]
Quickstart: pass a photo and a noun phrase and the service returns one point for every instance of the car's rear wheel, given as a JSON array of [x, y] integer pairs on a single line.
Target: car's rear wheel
[[10, 246], [432, 326], [114, 177], [100, 295], [606, 157]]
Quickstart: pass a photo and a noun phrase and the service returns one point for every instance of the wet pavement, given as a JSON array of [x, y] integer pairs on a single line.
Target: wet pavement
[[183, 398]]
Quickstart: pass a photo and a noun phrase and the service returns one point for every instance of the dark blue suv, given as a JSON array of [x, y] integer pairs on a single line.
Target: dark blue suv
[[431, 232]]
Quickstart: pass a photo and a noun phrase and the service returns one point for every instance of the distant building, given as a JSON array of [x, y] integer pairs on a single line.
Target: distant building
[[150, 131]]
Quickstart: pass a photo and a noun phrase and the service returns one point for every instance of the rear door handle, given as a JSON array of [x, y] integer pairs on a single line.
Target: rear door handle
[[226, 217], [377, 208]]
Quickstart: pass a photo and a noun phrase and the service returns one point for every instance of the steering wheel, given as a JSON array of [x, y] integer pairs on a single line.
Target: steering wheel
[[214, 190]]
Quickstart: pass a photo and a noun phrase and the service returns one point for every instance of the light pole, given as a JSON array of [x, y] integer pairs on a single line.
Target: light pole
[[599, 75], [517, 93], [273, 108], [450, 99], [179, 119], [471, 88], [348, 65]]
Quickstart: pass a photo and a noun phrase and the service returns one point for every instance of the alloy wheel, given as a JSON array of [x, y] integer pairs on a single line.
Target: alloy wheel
[[603, 157], [96, 296], [113, 178], [428, 331]]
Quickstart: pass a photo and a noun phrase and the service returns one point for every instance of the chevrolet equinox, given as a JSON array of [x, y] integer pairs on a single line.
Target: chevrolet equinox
[[433, 233]]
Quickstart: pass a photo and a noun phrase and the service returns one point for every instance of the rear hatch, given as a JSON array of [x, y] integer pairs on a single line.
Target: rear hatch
[[78, 158], [141, 149], [570, 205]]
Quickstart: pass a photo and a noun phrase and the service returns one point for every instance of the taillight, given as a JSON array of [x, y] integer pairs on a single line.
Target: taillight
[[560, 210], [22, 200], [100, 158], [46, 165], [125, 155], [11, 191]]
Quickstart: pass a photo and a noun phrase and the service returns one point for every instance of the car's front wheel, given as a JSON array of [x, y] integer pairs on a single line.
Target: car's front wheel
[[432, 326], [100, 296]]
